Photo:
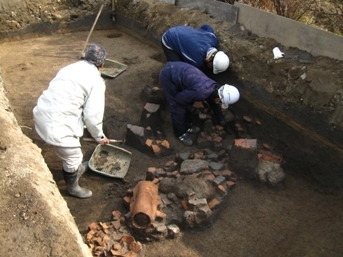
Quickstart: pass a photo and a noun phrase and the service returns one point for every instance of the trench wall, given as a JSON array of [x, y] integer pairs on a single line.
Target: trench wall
[[30, 199]]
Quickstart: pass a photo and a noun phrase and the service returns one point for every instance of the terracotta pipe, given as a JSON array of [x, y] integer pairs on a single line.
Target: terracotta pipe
[[144, 204]]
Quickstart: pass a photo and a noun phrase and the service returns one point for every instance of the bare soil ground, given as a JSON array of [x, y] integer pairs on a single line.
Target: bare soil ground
[[255, 221]]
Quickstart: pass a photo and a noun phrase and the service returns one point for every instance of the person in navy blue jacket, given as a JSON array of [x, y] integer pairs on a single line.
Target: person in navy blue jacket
[[194, 46], [183, 84]]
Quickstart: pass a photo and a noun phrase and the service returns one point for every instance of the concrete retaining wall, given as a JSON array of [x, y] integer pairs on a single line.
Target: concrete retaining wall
[[287, 32]]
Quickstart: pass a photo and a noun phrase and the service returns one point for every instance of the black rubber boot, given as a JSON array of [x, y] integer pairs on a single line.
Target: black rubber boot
[[72, 182]]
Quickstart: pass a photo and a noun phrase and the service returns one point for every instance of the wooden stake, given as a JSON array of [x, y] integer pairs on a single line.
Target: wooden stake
[[90, 32]]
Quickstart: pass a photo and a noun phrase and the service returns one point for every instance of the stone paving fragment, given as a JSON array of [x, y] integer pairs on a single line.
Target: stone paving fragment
[[191, 166]]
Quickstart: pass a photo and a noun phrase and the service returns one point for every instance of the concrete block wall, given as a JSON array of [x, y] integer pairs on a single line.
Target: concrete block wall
[[290, 33], [287, 32]]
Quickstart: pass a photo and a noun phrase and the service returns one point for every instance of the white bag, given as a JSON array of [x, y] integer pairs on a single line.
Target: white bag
[[277, 53]]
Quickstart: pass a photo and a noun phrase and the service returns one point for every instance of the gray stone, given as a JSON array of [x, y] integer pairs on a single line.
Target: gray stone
[[189, 218], [197, 203], [173, 230], [198, 187], [219, 180], [191, 166], [216, 165], [172, 197], [149, 107], [166, 185], [212, 157], [185, 155], [270, 172], [137, 130]]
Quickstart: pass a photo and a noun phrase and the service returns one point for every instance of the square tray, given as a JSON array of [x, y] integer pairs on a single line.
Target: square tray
[[110, 160], [112, 68]]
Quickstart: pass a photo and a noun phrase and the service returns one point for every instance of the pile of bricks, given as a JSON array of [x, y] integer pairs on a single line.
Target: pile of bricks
[[112, 238], [147, 136]]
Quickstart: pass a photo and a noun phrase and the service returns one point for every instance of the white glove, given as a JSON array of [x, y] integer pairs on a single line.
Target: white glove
[[277, 53]]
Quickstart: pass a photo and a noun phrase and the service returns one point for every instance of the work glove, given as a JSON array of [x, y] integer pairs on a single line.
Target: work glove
[[277, 53]]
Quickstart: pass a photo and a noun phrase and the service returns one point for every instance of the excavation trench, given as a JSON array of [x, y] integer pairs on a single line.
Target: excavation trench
[[304, 217]]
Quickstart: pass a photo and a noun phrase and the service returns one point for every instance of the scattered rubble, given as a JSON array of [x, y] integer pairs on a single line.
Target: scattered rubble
[[188, 190], [111, 238]]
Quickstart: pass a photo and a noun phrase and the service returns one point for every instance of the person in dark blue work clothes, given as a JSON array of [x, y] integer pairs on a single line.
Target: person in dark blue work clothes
[[183, 84], [194, 46]]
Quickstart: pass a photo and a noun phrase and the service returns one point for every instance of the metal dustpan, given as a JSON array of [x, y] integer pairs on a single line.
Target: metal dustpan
[[110, 160], [112, 68]]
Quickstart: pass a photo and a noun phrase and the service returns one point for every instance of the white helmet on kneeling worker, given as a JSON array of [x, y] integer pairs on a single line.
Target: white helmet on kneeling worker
[[228, 95]]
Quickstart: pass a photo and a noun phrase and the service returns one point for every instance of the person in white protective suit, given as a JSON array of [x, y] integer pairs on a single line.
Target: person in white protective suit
[[75, 98]]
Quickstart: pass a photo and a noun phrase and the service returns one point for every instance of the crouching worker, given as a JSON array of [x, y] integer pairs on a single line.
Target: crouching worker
[[195, 46], [184, 84], [75, 98]]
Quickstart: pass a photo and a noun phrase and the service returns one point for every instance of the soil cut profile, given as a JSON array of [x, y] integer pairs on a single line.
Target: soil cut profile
[[299, 220]]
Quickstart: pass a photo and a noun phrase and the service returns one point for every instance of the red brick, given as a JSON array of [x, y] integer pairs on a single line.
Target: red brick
[[247, 119], [230, 184], [213, 203], [246, 143]]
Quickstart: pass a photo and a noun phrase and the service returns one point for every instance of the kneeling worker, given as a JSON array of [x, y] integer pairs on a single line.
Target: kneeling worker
[[184, 84], [74, 98]]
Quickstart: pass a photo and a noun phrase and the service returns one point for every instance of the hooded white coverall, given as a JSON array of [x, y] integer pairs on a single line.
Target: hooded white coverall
[[74, 98]]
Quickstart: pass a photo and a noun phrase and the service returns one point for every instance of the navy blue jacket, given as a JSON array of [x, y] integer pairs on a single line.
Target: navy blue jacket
[[183, 84], [192, 44]]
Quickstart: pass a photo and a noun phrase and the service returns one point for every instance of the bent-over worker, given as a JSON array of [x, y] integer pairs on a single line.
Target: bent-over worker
[[184, 84], [195, 46], [75, 98]]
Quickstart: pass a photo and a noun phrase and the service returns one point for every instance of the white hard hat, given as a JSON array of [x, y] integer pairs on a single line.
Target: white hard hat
[[228, 95], [220, 62]]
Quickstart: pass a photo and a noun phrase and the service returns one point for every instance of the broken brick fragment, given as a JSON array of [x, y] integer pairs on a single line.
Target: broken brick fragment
[[246, 143], [184, 205], [103, 225], [222, 189], [265, 155], [213, 203], [156, 149], [227, 173], [230, 184], [148, 142], [219, 127], [93, 226], [247, 118], [127, 199], [155, 181], [116, 215], [135, 247], [166, 144]]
